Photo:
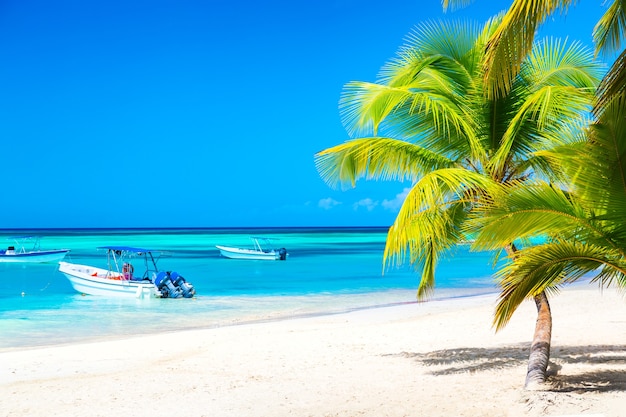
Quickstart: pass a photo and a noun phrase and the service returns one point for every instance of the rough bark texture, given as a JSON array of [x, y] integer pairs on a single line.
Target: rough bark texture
[[540, 348]]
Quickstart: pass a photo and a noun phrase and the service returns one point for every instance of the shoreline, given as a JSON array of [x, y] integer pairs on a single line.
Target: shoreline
[[438, 358], [247, 310]]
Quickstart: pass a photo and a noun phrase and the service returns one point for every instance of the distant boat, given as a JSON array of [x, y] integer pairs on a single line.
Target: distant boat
[[261, 250], [18, 252], [118, 279]]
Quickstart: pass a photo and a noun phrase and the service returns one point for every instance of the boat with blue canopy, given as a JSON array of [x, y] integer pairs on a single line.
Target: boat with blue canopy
[[119, 278], [18, 252]]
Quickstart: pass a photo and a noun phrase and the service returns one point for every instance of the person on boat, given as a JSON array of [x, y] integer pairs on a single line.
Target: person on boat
[[127, 271]]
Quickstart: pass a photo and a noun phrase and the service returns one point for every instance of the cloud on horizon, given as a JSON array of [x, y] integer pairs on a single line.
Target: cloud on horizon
[[368, 203], [396, 203], [328, 203]]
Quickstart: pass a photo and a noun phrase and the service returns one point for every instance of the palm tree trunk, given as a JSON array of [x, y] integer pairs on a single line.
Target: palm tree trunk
[[540, 348]]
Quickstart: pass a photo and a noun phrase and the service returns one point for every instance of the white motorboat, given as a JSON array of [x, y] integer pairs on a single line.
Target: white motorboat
[[118, 279], [17, 252], [261, 250]]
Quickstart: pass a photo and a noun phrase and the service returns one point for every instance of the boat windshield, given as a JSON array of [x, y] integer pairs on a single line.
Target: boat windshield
[[262, 244], [125, 260], [22, 241]]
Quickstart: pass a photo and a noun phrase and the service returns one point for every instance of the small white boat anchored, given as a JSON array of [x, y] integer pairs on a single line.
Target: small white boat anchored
[[119, 278], [18, 252], [262, 250]]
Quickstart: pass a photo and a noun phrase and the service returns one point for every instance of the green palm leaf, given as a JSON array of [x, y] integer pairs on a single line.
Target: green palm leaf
[[513, 40], [522, 211], [430, 220], [613, 84], [376, 158], [609, 30], [546, 267], [600, 173]]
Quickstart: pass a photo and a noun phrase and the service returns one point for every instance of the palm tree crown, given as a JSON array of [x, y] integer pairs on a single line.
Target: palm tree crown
[[428, 120]]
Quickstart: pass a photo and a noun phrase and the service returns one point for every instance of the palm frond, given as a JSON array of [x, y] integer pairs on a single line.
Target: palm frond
[[440, 188], [546, 267], [523, 211], [608, 32], [551, 154], [555, 62], [613, 84], [430, 219], [449, 48], [422, 238], [601, 173], [376, 158], [527, 211], [553, 92], [540, 114], [513, 40], [363, 106], [455, 4]]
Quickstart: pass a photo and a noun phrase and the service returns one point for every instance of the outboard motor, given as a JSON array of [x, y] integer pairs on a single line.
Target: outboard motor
[[166, 286], [186, 288], [282, 254]]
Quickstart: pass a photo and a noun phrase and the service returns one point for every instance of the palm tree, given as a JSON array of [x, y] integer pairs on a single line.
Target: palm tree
[[585, 227], [429, 121]]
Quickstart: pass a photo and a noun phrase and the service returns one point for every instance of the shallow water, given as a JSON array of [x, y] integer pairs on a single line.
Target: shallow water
[[327, 271]]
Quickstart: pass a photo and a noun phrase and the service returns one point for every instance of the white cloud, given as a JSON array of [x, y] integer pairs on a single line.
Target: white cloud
[[328, 203], [396, 203], [368, 203]]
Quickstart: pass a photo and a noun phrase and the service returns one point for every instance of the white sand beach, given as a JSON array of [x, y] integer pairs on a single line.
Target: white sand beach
[[440, 358]]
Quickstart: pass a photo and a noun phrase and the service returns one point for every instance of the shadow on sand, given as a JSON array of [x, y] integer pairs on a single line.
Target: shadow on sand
[[606, 363]]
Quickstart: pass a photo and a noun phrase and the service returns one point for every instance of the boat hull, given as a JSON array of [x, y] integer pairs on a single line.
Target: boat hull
[[242, 253], [34, 257], [97, 281]]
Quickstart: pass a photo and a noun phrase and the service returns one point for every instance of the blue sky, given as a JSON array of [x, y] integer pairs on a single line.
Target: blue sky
[[181, 113]]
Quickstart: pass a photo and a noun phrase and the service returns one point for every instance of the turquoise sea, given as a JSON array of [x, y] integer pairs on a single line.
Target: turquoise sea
[[328, 271]]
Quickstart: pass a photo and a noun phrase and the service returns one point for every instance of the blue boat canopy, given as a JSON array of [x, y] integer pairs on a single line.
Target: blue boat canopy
[[126, 249]]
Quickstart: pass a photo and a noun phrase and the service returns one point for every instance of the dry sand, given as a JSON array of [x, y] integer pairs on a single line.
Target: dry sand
[[440, 358]]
